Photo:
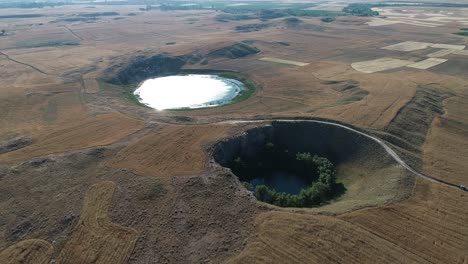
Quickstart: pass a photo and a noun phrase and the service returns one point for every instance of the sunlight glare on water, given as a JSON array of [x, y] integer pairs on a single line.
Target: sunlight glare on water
[[188, 91]]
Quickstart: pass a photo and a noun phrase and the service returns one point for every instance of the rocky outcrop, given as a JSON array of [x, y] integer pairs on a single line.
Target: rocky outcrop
[[237, 50], [140, 68], [14, 144]]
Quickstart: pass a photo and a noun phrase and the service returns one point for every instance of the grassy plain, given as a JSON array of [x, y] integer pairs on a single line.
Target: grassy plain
[[84, 189]]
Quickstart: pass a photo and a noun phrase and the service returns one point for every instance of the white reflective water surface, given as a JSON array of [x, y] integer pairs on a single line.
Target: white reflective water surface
[[188, 91]]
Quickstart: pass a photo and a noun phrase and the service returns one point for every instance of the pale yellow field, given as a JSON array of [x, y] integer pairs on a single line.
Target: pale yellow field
[[408, 46], [440, 53], [378, 65], [447, 46], [427, 63], [296, 63]]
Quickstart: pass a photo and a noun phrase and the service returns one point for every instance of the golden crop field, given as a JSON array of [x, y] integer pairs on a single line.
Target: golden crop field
[[89, 174]]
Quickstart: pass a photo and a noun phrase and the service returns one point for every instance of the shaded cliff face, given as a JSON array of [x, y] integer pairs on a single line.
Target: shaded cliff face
[[141, 68], [368, 172], [337, 144], [414, 120]]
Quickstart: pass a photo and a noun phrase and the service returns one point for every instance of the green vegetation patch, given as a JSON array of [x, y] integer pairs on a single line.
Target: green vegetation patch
[[258, 6], [267, 14], [49, 41], [462, 33], [231, 7], [317, 172], [292, 20], [88, 17], [124, 91], [128, 93], [327, 19], [308, 13], [251, 27], [252, 10], [360, 9], [250, 87], [30, 4], [99, 14], [21, 16], [234, 17], [77, 19], [237, 50]]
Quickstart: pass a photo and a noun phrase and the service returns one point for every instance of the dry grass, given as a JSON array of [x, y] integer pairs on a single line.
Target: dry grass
[[91, 85], [429, 225], [32, 251], [448, 138], [388, 184], [95, 238], [94, 131], [43, 96], [376, 22], [300, 238], [171, 151], [387, 94]]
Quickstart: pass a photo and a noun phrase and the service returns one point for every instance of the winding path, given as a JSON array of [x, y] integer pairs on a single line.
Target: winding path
[[73, 32], [389, 150], [23, 63]]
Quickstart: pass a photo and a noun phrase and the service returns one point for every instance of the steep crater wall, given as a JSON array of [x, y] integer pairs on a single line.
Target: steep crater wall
[[139, 68], [370, 175], [339, 145]]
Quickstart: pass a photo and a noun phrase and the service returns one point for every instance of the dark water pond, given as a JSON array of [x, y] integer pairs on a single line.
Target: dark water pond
[[281, 181]]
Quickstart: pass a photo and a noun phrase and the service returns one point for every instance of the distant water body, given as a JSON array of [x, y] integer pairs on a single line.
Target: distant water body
[[188, 91]]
